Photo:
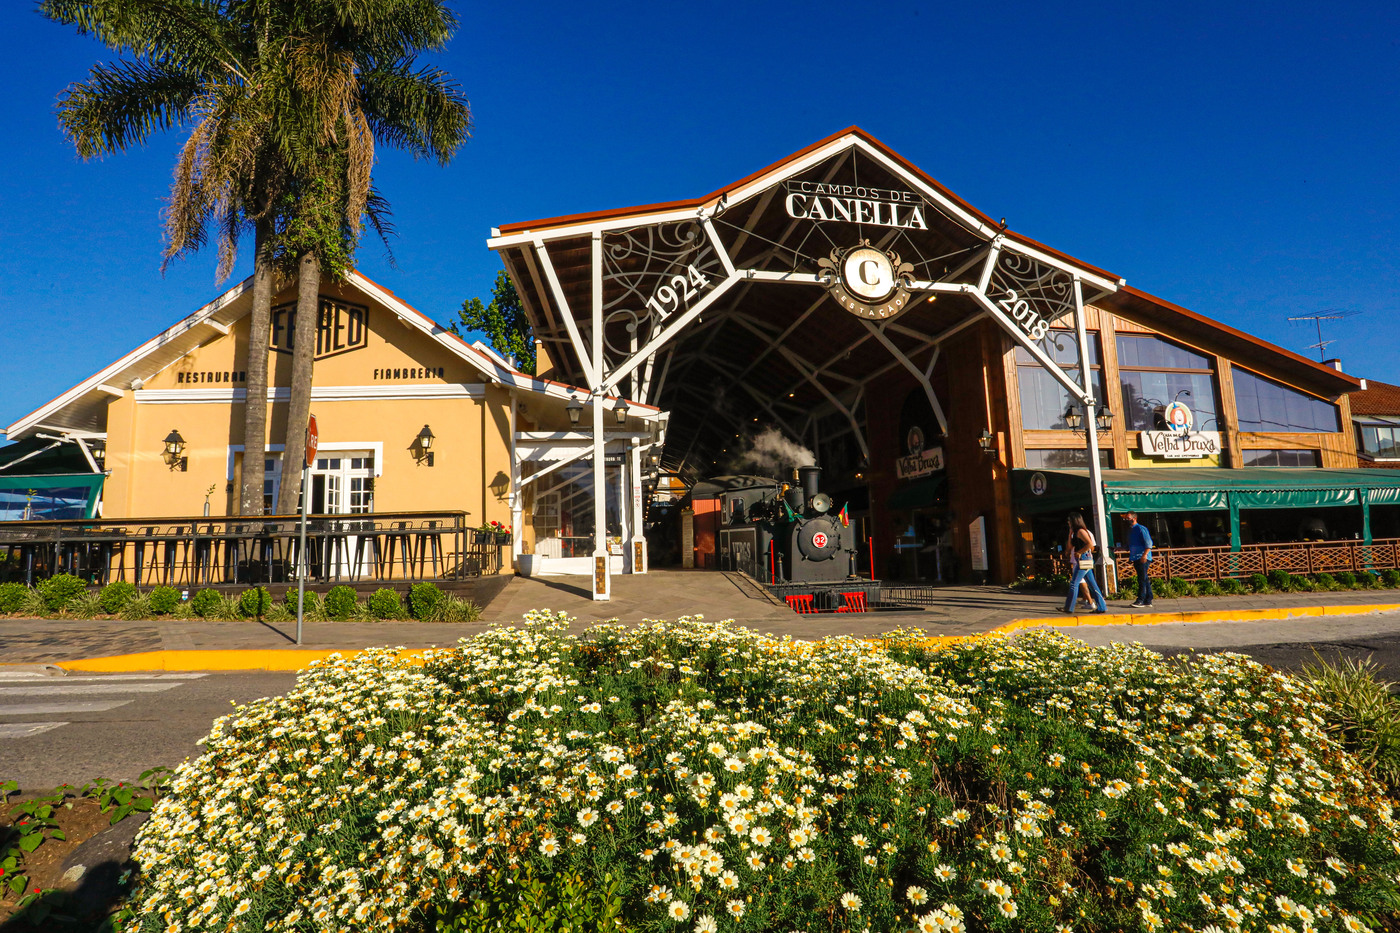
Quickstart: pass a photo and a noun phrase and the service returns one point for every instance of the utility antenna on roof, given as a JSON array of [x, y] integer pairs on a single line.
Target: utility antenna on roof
[[1330, 314]]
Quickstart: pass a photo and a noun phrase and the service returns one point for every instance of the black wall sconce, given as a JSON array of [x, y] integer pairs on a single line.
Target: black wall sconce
[[422, 446], [174, 452], [984, 440], [574, 409], [620, 411]]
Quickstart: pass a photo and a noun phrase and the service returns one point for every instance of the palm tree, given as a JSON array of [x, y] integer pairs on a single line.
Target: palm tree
[[287, 97]]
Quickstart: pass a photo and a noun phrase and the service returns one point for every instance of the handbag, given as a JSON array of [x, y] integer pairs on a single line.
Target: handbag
[[1086, 560]]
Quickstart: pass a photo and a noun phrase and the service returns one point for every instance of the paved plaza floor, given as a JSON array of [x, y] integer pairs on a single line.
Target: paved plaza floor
[[668, 594]]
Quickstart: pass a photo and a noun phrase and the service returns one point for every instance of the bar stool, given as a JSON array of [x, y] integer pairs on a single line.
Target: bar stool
[[145, 539], [366, 546], [399, 537], [430, 538], [204, 547]]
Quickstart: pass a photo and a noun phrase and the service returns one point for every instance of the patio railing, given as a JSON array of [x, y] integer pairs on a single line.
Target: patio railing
[[1220, 563], [380, 547]]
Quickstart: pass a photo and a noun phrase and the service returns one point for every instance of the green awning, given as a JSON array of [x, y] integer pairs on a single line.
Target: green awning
[[1196, 489], [921, 493], [50, 496]]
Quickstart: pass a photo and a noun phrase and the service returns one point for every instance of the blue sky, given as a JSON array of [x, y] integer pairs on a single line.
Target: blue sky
[[1239, 160]]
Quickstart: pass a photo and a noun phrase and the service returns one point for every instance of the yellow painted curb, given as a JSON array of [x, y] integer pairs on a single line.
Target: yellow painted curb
[[1280, 614], [254, 659]]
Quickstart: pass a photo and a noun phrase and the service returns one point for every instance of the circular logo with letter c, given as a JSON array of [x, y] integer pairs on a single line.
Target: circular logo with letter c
[[868, 273]]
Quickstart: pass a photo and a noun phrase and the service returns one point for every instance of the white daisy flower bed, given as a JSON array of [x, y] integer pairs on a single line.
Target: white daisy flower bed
[[698, 777]]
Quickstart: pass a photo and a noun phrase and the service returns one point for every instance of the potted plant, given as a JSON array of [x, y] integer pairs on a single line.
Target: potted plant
[[501, 532]]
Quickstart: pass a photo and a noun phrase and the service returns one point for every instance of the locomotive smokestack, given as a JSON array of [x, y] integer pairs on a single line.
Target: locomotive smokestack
[[811, 477]]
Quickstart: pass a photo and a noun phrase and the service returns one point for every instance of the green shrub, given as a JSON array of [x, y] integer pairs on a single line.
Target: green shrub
[[1325, 581], [1346, 580], [313, 605], [254, 603], [1301, 584], [86, 606], [1040, 751], [205, 603], [1390, 577], [455, 609], [1280, 580], [116, 595], [1174, 588], [13, 596], [57, 591], [1366, 579], [164, 599], [385, 604], [1056, 583], [1232, 587], [138, 608], [1208, 588], [340, 602], [1258, 583], [422, 599], [1361, 712]]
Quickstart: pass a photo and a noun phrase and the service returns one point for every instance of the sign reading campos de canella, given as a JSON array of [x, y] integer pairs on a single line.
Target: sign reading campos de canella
[[1179, 442]]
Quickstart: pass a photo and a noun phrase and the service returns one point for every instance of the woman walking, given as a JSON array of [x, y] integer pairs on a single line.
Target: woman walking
[[1082, 561]]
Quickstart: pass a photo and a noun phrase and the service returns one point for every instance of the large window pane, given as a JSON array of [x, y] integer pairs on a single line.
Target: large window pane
[[1044, 400], [1146, 395], [1143, 352], [1062, 346], [1267, 406], [1065, 458], [1280, 458]]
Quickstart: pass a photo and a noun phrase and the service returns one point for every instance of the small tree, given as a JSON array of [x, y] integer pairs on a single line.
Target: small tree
[[503, 322]]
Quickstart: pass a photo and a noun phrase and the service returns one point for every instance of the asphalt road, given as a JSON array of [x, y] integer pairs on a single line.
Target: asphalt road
[[72, 729]]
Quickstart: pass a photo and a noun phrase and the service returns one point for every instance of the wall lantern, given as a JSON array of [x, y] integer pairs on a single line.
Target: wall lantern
[[1104, 418], [574, 408], [985, 442], [620, 411], [174, 452], [1072, 417], [422, 446], [98, 449]]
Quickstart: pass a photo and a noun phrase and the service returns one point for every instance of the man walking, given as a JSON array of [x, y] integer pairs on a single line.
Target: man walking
[[1140, 553]]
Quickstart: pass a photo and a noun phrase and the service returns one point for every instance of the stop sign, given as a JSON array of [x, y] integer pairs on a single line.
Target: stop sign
[[311, 440]]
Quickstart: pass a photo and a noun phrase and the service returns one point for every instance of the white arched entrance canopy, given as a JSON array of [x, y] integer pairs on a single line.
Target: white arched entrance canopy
[[786, 294]]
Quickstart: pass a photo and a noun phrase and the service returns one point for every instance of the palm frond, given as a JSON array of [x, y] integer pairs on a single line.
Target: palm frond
[[122, 104], [183, 33], [423, 111], [378, 216]]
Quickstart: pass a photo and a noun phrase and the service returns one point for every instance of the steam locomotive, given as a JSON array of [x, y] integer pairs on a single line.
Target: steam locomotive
[[791, 538]]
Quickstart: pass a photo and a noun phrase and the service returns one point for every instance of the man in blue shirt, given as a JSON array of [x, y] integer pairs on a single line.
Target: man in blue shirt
[[1140, 553]]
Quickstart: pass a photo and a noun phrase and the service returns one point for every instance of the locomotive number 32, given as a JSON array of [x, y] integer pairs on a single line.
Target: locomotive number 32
[[682, 289], [819, 539]]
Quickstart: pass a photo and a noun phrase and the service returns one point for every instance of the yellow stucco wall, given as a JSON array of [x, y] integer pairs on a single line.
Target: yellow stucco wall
[[194, 395]]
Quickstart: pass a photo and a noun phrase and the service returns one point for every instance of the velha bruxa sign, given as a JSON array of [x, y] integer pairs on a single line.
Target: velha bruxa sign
[[1179, 445]]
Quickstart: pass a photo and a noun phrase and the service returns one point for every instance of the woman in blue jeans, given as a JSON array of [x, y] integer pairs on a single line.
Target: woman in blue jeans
[[1082, 542]]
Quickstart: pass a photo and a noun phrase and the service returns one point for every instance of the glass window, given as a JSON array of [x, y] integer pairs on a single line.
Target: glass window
[[1043, 399], [1148, 352], [1153, 373], [1380, 441], [1065, 458], [1280, 458], [1265, 405]]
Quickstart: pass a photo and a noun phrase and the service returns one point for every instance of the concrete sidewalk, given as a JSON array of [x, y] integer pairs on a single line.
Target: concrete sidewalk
[[206, 645]]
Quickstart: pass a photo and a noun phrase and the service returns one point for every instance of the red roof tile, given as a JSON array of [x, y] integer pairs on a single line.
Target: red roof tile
[[1379, 398]]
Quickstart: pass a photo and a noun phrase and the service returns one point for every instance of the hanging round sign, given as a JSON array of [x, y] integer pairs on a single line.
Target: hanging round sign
[[868, 282], [1178, 418]]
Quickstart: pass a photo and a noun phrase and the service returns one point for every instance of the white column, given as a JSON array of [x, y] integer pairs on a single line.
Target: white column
[[516, 503], [602, 571], [1091, 433], [636, 554]]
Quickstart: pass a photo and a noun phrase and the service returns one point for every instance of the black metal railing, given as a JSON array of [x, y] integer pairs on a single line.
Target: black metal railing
[[382, 547]]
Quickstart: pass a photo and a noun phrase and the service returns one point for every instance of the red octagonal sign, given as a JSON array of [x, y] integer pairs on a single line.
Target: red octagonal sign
[[312, 438]]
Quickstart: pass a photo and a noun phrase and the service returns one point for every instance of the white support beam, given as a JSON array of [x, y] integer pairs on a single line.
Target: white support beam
[[914, 371], [577, 454], [221, 328], [586, 360], [1091, 434], [602, 564], [811, 377], [668, 333], [1033, 348], [110, 390]]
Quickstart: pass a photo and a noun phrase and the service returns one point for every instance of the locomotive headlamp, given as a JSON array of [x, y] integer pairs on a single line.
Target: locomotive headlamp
[[574, 409], [1072, 417]]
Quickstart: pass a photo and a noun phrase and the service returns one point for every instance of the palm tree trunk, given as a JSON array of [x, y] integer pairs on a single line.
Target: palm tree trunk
[[250, 500], [303, 355]]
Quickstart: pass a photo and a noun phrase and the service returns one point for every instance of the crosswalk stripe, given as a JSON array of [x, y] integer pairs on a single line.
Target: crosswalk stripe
[[20, 730], [30, 690], [50, 709]]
